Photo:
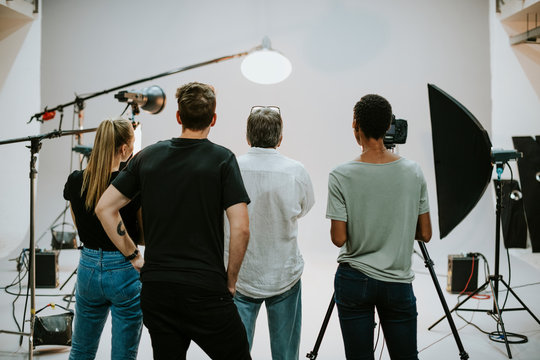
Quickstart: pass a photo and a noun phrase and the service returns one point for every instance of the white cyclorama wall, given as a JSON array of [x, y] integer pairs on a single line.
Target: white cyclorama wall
[[20, 56], [515, 84], [340, 51]]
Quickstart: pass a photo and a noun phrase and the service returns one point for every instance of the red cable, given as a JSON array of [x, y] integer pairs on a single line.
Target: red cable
[[470, 277]]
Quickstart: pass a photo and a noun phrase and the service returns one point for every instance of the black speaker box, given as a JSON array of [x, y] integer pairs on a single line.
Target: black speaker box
[[47, 269], [529, 177], [459, 272], [514, 226]]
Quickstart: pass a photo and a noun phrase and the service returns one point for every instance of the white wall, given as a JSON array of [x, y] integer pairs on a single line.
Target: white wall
[[340, 50], [20, 56], [515, 85], [515, 73]]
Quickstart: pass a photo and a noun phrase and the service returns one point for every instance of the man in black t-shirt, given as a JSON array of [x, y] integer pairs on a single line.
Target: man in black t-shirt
[[185, 184]]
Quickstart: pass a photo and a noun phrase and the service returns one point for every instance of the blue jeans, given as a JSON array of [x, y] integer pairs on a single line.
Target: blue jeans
[[106, 281], [357, 295], [284, 313]]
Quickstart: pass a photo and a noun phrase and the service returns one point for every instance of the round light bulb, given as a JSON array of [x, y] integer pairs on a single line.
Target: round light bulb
[[266, 66]]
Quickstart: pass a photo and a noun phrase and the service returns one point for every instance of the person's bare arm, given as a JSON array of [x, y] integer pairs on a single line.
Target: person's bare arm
[[338, 232], [108, 212], [423, 228], [239, 227]]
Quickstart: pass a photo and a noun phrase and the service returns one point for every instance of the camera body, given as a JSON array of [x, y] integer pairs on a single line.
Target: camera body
[[397, 134]]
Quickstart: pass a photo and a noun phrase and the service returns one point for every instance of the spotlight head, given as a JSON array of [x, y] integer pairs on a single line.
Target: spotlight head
[[151, 99], [83, 149], [500, 156], [265, 65]]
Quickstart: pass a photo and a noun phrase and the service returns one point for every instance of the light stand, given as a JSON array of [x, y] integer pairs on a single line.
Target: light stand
[[493, 280], [35, 146]]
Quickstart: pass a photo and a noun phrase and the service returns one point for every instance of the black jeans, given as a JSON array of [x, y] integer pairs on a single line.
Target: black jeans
[[357, 295], [175, 314]]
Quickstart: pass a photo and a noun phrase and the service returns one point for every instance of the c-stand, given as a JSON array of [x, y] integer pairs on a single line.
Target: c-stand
[[429, 264], [35, 146]]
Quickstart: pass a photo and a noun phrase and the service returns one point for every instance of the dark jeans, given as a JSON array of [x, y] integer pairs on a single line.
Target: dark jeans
[[175, 314], [357, 295]]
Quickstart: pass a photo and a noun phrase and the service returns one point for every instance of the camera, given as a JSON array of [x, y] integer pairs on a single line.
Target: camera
[[397, 134]]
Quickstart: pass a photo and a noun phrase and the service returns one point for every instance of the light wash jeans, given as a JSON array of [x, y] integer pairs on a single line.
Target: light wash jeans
[[284, 313], [106, 281]]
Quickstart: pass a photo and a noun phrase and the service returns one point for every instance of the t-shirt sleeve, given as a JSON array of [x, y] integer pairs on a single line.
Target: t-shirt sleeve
[[68, 187], [127, 181], [423, 205], [336, 208], [233, 189]]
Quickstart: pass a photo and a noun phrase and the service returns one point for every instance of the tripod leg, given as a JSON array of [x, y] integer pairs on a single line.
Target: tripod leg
[[313, 354], [461, 303], [69, 278], [429, 264], [499, 315], [71, 296], [521, 302]]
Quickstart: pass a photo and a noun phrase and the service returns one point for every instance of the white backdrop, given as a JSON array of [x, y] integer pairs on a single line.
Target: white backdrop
[[340, 50], [20, 56]]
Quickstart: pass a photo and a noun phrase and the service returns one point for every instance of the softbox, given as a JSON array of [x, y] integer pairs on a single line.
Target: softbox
[[462, 155]]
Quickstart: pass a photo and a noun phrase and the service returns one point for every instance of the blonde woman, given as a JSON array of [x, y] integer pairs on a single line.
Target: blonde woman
[[106, 280]]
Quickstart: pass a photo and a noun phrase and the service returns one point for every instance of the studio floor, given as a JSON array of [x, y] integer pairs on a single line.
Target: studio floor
[[438, 343]]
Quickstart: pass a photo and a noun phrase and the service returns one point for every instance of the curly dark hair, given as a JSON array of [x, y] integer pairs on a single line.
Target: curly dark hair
[[373, 115], [196, 104]]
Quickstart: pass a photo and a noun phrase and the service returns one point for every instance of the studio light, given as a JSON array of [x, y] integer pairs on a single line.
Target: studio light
[[264, 65], [464, 162], [151, 99]]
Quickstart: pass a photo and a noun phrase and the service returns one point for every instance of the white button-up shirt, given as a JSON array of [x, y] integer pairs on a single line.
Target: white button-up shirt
[[281, 192]]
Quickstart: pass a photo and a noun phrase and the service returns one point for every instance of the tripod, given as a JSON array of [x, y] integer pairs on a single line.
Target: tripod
[[429, 264], [493, 280]]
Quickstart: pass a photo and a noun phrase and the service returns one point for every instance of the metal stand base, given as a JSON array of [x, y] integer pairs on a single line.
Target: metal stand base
[[494, 280]]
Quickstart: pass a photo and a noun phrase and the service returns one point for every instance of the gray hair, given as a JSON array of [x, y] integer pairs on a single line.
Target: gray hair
[[264, 128]]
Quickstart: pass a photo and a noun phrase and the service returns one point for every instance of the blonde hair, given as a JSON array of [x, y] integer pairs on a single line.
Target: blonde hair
[[110, 136]]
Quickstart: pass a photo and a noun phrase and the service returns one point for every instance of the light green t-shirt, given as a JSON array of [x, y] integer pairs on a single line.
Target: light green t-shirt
[[380, 204]]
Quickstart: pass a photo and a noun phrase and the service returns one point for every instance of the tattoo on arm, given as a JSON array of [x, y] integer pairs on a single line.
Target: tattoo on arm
[[120, 230]]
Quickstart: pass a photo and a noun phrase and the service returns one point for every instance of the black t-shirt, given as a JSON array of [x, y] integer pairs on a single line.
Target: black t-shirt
[[89, 227], [184, 185]]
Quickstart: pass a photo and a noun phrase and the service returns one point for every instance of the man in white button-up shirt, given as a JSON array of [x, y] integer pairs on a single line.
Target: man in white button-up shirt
[[281, 192]]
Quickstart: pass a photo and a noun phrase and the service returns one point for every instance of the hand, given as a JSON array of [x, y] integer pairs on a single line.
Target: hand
[[232, 289], [138, 262]]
